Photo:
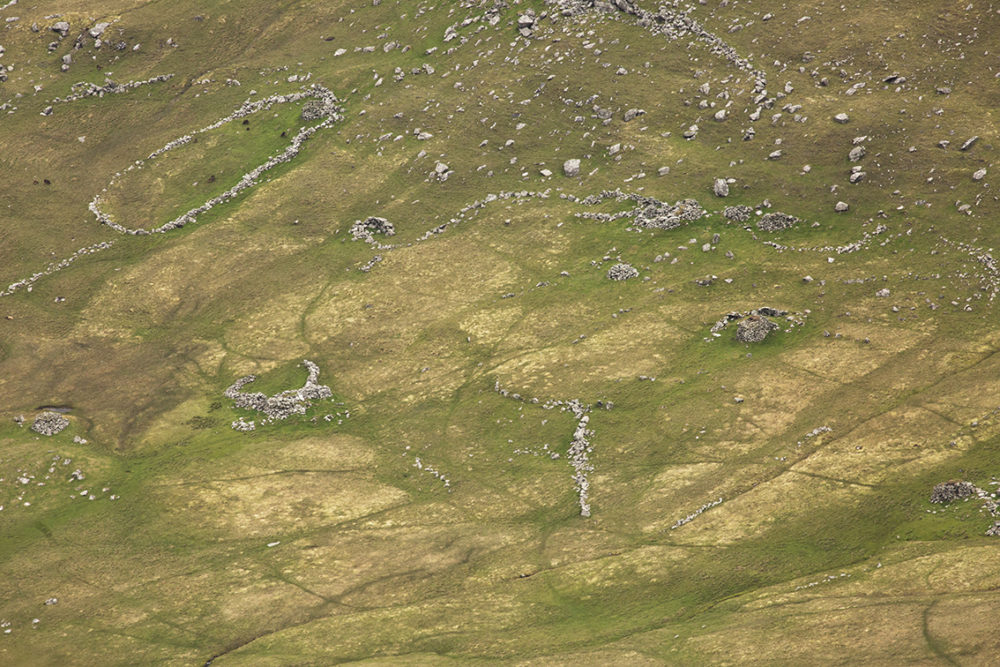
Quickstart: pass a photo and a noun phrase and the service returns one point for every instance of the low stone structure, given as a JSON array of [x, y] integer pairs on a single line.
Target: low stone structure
[[283, 404], [365, 229], [945, 492]]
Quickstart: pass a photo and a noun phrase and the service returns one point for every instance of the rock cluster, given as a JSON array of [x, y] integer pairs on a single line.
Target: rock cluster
[[737, 213], [580, 447], [55, 266], [673, 23], [622, 271], [49, 423], [251, 178], [654, 214], [775, 222], [754, 329], [283, 404], [365, 229], [83, 89], [945, 492], [994, 530]]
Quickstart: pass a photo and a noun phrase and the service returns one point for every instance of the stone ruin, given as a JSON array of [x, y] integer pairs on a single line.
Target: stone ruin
[[738, 213], [754, 329], [283, 404], [318, 108], [49, 423], [775, 222], [622, 271], [945, 492], [654, 214], [367, 228]]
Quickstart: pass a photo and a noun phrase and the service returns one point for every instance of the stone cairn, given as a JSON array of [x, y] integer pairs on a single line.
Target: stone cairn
[[753, 325], [754, 329], [738, 213], [622, 271], [280, 406], [776, 222], [49, 423], [327, 108], [945, 492]]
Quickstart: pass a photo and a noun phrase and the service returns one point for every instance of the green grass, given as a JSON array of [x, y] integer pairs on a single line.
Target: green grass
[[377, 560]]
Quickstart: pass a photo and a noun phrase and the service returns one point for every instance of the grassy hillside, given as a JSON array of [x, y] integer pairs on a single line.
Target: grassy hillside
[[749, 502]]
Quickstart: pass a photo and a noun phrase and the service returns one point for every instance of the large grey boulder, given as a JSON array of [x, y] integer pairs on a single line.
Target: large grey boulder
[[720, 187], [571, 167]]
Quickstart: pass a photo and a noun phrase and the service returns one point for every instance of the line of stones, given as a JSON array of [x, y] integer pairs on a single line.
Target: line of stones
[[55, 266], [333, 114], [674, 24], [580, 446]]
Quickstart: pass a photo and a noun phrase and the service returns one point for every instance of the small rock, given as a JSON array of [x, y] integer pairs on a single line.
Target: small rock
[[979, 175]]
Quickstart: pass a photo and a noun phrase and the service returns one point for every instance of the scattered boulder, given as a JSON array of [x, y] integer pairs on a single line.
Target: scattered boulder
[[968, 143], [856, 153], [61, 27], [754, 329], [632, 114], [979, 174], [571, 167], [840, 207], [945, 492], [49, 423], [994, 530], [882, 293], [720, 187], [841, 118], [775, 222], [622, 271]]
